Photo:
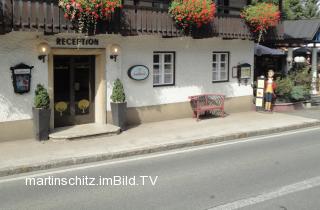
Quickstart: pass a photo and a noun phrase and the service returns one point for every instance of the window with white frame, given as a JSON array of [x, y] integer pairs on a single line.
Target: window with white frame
[[163, 68], [220, 66]]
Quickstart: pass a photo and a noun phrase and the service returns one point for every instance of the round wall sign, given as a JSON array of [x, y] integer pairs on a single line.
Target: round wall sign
[[138, 72]]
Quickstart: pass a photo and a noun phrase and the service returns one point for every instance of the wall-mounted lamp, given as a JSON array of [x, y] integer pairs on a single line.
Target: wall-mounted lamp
[[44, 50], [114, 52], [299, 59]]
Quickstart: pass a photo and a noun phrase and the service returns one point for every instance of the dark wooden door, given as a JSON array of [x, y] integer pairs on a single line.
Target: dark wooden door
[[73, 90]]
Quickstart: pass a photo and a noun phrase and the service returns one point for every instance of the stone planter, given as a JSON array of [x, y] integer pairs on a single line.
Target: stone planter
[[119, 114], [286, 107], [41, 123]]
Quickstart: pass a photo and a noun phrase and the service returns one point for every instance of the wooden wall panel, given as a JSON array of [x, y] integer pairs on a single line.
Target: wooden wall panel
[[46, 16]]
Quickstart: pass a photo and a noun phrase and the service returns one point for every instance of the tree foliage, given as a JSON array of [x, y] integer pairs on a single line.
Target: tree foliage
[[301, 9], [311, 9]]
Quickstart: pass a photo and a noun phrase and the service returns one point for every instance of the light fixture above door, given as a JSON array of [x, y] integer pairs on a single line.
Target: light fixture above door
[[43, 50]]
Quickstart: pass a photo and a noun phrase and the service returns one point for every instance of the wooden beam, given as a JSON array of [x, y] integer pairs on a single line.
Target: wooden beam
[[2, 24], [281, 8]]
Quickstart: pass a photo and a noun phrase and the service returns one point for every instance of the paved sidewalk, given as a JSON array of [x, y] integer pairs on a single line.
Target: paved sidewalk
[[29, 155]]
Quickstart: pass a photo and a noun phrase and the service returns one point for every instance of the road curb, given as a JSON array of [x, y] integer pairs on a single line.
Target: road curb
[[158, 148]]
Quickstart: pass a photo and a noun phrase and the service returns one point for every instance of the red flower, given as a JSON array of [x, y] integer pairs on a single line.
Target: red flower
[[261, 16], [87, 10], [192, 12]]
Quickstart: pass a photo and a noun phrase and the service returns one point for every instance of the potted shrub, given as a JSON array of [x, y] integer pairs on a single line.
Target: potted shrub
[[189, 14], [284, 87], [41, 113], [293, 90], [84, 14], [118, 105], [261, 16]]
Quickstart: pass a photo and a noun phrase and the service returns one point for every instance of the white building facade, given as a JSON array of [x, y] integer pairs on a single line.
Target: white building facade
[[178, 68]]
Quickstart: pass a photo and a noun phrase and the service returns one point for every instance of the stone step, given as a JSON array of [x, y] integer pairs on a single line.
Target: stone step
[[84, 131]]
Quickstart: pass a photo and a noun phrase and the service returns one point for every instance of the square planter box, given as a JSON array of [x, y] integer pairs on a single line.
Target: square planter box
[[119, 114], [41, 123]]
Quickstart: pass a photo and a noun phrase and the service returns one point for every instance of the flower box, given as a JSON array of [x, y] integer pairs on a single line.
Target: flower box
[[192, 13], [84, 14]]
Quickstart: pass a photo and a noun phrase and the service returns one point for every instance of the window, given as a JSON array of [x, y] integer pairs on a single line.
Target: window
[[156, 4], [220, 66], [163, 68]]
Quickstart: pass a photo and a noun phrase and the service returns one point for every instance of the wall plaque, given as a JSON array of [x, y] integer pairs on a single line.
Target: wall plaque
[[138, 72]]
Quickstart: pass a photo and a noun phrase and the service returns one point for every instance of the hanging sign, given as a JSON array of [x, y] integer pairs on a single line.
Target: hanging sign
[[21, 78], [138, 72], [244, 73]]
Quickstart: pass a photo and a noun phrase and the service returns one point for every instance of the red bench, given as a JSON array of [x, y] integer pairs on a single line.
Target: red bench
[[207, 102]]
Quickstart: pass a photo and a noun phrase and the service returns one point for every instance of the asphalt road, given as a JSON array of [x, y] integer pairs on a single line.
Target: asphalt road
[[275, 172]]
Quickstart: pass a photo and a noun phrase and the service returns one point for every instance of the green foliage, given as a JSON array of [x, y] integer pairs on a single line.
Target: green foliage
[[298, 9], [118, 95], [295, 86], [41, 99], [298, 93], [311, 9], [302, 77], [284, 87]]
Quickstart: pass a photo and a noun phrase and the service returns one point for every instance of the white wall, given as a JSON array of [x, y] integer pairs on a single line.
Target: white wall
[[18, 48], [193, 68]]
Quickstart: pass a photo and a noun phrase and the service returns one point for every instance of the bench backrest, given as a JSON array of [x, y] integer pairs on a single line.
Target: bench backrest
[[207, 100]]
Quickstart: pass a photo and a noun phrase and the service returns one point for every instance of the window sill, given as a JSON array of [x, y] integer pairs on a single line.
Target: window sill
[[164, 85], [221, 81]]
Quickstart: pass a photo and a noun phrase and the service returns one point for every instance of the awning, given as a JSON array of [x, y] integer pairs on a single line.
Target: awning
[[263, 50], [303, 51]]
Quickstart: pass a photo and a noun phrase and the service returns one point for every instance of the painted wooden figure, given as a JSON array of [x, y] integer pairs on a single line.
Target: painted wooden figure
[[270, 87]]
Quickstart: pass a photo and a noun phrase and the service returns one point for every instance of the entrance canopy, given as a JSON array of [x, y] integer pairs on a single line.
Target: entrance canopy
[[260, 50]]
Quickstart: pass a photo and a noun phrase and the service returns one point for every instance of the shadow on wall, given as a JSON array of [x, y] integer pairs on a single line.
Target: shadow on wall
[[174, 110], [14, 111], [138, 115], [19, 47], [178, 93]]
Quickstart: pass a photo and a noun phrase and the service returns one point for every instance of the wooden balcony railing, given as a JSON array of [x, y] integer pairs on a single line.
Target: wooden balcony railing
[[45, 16]]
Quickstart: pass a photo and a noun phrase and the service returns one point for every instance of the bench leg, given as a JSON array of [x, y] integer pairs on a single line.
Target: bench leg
[[194, 114], [222, 112], [198, 115]]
